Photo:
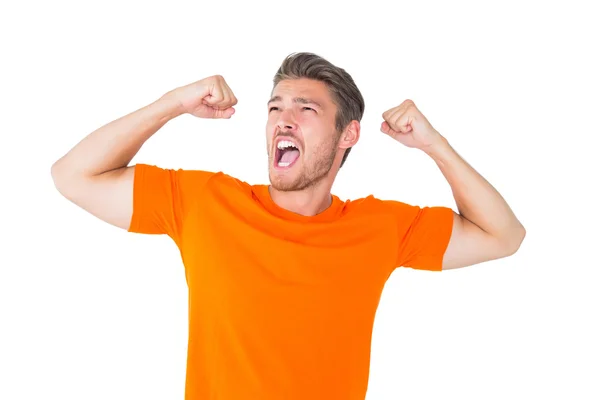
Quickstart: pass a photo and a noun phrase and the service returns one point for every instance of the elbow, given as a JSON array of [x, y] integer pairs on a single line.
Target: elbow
[[514, 241], [62, 181], [54, 174], [57, 177]]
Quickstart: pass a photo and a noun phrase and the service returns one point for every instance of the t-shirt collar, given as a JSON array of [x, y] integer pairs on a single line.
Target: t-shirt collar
[[264, 197]]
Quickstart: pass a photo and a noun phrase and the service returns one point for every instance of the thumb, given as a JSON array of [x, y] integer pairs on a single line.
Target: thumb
[[223, 113], [385, 128]]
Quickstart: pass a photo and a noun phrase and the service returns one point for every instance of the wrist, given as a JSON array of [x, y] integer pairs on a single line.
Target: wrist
[[169, 106], [437, 148]]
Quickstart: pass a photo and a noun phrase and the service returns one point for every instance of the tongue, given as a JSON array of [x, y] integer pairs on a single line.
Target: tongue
[[289, 156]]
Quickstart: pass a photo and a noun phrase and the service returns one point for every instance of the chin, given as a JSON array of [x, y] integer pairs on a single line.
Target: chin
[[283, 181]]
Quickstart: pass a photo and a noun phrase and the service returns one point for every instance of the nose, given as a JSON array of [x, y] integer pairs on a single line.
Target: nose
[[287, 121]]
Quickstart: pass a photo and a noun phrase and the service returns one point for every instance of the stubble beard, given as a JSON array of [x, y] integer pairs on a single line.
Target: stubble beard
[[311, 174]]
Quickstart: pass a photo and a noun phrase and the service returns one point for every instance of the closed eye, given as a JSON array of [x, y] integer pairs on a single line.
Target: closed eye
[[304, 108]]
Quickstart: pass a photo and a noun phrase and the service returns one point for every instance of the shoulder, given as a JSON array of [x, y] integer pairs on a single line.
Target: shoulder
[[187, 186], [185, 177], [373, 205], [399, 211]]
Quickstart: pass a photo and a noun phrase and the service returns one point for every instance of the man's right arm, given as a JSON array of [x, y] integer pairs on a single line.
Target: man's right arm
[[95, 174]]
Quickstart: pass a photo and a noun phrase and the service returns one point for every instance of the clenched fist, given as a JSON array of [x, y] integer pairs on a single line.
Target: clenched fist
[[406, 124], [207, 98]]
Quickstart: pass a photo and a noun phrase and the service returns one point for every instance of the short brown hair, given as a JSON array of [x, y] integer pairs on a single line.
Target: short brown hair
[[344, 92]]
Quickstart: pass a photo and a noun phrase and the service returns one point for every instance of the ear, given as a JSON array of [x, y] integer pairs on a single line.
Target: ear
[[350, 135]]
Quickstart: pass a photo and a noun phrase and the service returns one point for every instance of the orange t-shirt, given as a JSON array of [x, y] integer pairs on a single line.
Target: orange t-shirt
[[281, 306]]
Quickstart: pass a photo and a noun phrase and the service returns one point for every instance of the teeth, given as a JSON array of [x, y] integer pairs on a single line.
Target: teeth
[[283, 164], [285, 143]]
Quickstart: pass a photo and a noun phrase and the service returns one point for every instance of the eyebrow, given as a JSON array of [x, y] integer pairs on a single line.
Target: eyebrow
[[301, 100]]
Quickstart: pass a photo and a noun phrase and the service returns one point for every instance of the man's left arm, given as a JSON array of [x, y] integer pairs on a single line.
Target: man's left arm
[[485, 227]]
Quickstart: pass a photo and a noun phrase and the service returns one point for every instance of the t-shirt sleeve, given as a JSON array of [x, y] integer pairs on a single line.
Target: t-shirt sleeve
[[163, 197], [423, 235]]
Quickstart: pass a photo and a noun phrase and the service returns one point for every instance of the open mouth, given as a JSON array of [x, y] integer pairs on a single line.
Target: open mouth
[[286, 154]]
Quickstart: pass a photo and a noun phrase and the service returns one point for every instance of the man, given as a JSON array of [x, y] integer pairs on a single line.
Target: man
[[284, 279]]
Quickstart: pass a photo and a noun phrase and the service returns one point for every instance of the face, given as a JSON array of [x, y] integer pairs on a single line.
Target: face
[[301, 138]]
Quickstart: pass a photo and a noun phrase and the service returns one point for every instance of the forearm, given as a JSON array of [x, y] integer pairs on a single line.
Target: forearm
[[477, 200], [114, 145]]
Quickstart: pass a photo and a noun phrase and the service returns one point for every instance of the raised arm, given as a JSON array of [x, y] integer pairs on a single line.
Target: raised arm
[[485, 227], [95, 174]]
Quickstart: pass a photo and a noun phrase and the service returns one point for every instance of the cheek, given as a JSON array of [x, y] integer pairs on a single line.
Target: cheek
[[269, 129], [269, 125], [307, 119]]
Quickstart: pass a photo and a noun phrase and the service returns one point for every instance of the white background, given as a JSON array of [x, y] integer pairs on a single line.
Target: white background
[[88, 311]]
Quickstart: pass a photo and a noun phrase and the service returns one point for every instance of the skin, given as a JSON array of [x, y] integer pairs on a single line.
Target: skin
[[95, 174]]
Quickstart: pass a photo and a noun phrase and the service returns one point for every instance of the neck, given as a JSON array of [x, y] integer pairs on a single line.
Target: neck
[[308, 202]]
